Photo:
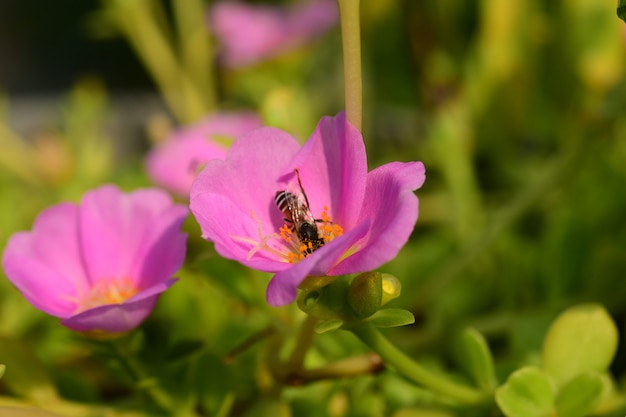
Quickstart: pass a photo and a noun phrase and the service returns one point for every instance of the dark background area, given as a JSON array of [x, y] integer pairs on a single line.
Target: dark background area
[[45, 46]]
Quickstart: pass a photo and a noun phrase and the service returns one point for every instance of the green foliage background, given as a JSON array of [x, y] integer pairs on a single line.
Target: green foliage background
[[517, 110]]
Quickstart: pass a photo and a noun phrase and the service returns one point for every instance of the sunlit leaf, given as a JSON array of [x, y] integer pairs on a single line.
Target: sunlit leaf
[[581, 339], [527, 393], [580, 396], [391, 317]]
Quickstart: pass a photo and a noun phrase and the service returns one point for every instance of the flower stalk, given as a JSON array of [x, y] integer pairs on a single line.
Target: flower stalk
[[351, 42], [156, 394], [303, 343], [143, 28], [196, 51], [369, 335]]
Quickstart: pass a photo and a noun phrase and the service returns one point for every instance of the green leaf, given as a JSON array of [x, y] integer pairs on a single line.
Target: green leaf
[[327, 325], [391, 317], [2, 369], [621, 10], [581, 339], [580, 396], [24, 374], [527, 393], [473, 355]]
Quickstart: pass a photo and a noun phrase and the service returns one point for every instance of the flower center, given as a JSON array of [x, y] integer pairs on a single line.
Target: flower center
[[107, 291], [305, 238], [294, 242]]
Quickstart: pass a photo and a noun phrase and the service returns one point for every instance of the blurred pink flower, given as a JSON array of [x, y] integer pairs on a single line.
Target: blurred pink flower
[[251, 33], [174, 163], [362, 219], [100, 265]]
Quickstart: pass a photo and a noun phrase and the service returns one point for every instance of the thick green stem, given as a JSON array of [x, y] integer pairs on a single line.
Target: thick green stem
[[359, 365], [303, 343], [351, 41], [411, 369]]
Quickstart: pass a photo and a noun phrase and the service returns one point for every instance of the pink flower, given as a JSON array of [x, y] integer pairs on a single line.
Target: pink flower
[[362, 219], [100, 265], [174, 163], [251, 33]]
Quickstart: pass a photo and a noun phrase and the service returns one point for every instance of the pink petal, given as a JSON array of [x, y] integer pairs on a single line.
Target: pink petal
[[251, 33], [175, 163], [231, 125], [312, 19], [333, 170], [163, 249], [392, 208], [283, 288], [118, 318], [46, 264], [231, 199], [113, 226]]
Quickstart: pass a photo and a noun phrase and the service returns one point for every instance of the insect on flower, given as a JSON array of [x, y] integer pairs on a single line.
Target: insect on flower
[[299, 217]]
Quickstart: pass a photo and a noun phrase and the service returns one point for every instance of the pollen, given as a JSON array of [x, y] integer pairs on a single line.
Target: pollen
[[107, 291], [325, 216], [329, 230], [292, 257], [286, 233]]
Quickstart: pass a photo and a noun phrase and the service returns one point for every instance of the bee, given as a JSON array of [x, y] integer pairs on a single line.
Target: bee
[[298, 215]]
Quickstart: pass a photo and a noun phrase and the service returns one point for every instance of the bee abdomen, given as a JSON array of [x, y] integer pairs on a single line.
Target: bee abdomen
[[283, 200]]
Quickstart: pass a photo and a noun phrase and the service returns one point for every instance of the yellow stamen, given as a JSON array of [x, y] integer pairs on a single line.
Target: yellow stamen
[[285, 233], [107, 291]]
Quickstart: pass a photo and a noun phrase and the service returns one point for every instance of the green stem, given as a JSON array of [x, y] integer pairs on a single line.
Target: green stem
[[411, 369], [345, 368], [196, 52], [140, 25], [351, 41], [303, 343], [134, 368]]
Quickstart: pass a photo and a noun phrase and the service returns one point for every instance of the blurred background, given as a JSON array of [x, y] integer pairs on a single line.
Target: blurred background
[[515, 107]]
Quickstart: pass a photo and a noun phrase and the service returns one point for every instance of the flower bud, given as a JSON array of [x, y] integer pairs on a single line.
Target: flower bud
[[324, 297], [366, 294], [391, 288]]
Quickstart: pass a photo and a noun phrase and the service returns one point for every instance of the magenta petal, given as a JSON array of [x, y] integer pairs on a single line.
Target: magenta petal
[[392, 208], [163, 249], [113, 226], [333, 169], [175, 163], [231, 199], [283, 288], [46, 264], [250, 33], [118, 318]]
